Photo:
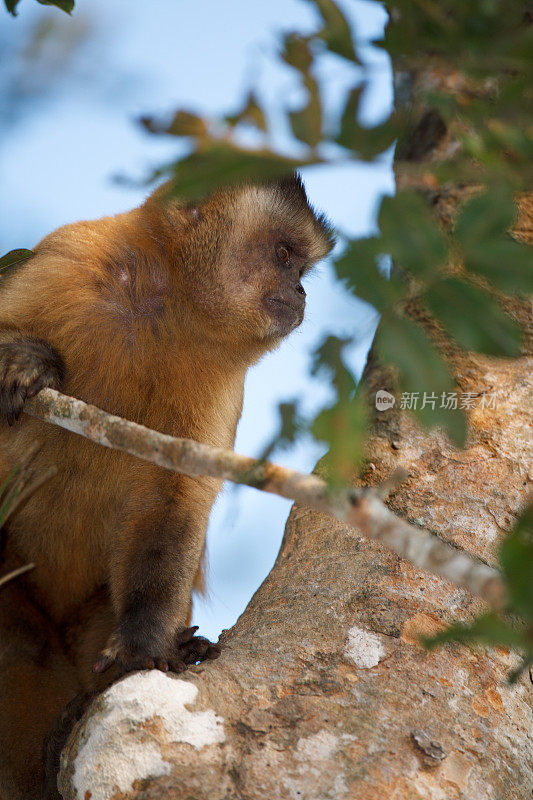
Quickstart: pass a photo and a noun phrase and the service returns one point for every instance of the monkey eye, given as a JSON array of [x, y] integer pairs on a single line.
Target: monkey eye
[[283, 253]]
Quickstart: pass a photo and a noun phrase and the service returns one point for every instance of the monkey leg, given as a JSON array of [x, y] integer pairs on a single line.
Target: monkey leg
[[95, 623], [157, 555], [36, 682]]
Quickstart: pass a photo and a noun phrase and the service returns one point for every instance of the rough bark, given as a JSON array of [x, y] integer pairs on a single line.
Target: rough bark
[[322, 690]]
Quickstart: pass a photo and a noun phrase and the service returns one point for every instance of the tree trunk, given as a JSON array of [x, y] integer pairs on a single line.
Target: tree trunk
[[322, 690]]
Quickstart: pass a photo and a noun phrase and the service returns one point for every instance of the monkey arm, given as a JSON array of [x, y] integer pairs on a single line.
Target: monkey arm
[[32, 303], [27, 365]]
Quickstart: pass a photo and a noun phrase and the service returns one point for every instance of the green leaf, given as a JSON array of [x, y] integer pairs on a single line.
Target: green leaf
[[487, 629], [64, 5], [297, 52], [187, 124], [488, 250], [290, 422], [11, 6], [516, 558], [13, 258], [357, 267], [411, 234], [344, 424], [484, 217], [291, 426], [365, 142], [183, 124], [221, 164], [372, 141], [507, 264], [306, 123], [251, 113], [344, 427], [464, 33], [336, 32], [422, 372], [327, 360], [349, 127], [473, 318]]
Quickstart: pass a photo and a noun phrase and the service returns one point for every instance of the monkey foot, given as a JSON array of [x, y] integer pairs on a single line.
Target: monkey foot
[[189, 650], [193, 649]]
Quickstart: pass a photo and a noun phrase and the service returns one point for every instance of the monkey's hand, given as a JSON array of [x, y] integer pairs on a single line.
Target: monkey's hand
[[27, 365], [188, 649]]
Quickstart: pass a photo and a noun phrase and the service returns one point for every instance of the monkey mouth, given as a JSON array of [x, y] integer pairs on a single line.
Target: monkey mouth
[[286, 315], [283, 310]]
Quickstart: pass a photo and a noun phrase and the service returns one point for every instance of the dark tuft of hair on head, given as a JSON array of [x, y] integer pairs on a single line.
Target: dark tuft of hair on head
[[291, 191]]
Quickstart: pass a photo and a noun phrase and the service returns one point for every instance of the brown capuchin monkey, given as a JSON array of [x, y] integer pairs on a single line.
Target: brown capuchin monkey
[[154, 315]]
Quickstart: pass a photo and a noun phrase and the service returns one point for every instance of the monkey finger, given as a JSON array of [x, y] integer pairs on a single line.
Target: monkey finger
[[19, 396], [35, 388], [107, 658], [177, 666], [103, 664], [186, 635], [201, 645], [213, 651]]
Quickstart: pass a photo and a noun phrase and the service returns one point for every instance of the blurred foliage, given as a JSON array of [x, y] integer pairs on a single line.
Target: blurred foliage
[[13, 258], [475, 131], [451, 273], [291, 424], [515, 628], [41, 60], [64, 5], [344, 423]]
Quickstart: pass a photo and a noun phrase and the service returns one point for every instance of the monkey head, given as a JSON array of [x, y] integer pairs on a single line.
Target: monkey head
[[244, 256]]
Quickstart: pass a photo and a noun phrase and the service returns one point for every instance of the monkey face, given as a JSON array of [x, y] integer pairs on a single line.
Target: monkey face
[[276, 238], [263, 285], [280, 296], [241, 259], [285, 302]]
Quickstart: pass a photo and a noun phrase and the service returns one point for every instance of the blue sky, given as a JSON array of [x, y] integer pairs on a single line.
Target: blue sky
[[61, 149]]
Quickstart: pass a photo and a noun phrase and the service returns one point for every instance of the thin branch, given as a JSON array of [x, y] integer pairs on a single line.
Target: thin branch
[[15, 574], [361, 508]]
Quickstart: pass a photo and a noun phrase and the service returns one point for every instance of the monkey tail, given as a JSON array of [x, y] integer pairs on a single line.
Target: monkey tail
[[200, 581]]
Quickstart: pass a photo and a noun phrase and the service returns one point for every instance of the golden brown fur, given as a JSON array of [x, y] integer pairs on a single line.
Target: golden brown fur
[[154, 315]]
